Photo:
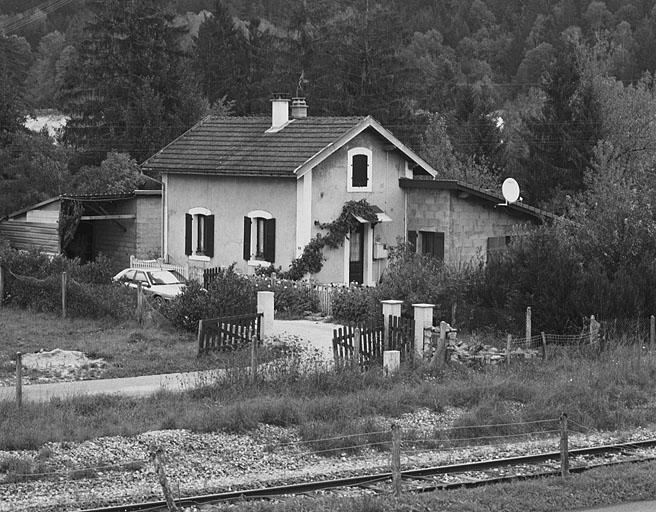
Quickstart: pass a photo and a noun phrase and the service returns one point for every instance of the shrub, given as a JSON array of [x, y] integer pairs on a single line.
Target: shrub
[[34, 283], [355, 304], [228, 294], [292, 299]]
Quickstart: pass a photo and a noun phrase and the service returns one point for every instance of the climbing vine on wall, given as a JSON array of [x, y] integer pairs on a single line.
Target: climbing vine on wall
[[69, 219], [312, 258]]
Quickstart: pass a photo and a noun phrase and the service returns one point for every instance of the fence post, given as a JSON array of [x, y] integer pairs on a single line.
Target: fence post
[[508, 345], [357, 336], [140, 311], [19, 379], [652, 329], [423, 318], [2, 284], [199, 337], [544, 346], [156, 456], [63, 293], [396, 459], [529, 331], [564, 451], [390, 308], [254, 359], [265, 306], [594, 331]]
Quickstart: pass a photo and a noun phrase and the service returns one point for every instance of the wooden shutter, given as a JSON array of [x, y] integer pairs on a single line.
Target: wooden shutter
[[412, 239], [247, 238], [209, 236], [270, 240], [189, 221], [439, 246]]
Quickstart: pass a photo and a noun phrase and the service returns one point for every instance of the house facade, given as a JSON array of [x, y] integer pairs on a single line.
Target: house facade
[[254, 191]]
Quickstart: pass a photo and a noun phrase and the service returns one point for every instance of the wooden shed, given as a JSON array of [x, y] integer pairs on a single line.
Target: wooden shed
[[84, 226]]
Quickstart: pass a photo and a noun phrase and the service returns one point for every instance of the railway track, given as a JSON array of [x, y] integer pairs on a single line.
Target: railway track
[[429, 479]]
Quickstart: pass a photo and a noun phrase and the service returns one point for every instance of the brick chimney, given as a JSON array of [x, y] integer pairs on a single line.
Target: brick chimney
[[299, 108], [279, 111]]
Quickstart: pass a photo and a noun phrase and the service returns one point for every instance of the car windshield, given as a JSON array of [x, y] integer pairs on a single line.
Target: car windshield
[[166, 277]]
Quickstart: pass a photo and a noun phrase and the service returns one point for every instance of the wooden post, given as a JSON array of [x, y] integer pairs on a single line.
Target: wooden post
[[199, 338], [63, 293], [156, 456], [441, 351], [2, 284], [544, 346], [357, 334], [396, 459], [454, 308], [528, 326], [564, 451], [254, 360], [508, 344], [140, 303], [652, 331], [19, 379]]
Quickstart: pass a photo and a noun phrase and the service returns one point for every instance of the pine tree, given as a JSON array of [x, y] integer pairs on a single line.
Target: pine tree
[[130, 89]]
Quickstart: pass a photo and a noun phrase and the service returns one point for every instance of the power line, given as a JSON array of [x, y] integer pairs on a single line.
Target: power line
[[25, 18]]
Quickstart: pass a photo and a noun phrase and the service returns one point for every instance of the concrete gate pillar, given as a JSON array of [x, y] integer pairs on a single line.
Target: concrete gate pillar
[[423, 319]]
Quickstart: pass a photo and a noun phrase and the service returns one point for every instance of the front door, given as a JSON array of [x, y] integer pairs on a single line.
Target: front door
[[356, 255]]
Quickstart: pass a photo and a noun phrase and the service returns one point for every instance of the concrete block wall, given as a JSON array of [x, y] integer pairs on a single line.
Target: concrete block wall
[[466, 222]]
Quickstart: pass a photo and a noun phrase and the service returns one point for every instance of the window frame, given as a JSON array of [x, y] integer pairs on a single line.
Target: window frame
[[350, 157], [438, 242], [199, 234], [259, 238]]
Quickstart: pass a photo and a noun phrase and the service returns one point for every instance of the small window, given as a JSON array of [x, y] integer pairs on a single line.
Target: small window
[[359, 170], [259, 237], [199, 233], [432, 244]]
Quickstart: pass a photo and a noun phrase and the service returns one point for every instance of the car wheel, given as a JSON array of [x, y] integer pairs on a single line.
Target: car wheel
[[159, 301]]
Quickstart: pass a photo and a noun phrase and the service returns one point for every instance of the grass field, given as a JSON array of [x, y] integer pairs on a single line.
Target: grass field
[[127, 349]]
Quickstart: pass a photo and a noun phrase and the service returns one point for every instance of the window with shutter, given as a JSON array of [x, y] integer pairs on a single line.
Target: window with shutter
[[259, 237], [199, 233], [359, 170], [432, 243]]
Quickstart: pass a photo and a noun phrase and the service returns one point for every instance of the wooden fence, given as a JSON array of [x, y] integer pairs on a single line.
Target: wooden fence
[[365, 343], [229, 333]]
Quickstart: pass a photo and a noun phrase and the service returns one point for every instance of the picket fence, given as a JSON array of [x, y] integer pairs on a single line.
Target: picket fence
[[159, 264]]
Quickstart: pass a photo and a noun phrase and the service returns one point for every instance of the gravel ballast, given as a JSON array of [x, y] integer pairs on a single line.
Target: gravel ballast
[[115, 470]]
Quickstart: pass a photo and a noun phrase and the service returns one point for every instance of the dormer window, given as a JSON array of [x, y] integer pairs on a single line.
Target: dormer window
[[359, 170]]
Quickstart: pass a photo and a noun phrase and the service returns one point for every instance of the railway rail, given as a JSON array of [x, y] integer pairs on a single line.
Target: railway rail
[[429, 479]]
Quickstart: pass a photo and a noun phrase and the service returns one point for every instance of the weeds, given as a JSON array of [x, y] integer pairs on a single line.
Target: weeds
[[609, 392]]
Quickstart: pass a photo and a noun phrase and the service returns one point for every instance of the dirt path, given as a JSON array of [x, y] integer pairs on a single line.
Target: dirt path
[[316, 336]]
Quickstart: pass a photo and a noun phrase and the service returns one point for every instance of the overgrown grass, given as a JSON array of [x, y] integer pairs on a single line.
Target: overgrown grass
[[128, 349], [593, 488], [611, 392]]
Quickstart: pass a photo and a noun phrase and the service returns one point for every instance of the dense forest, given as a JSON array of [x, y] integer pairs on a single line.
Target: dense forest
[[483, 88]]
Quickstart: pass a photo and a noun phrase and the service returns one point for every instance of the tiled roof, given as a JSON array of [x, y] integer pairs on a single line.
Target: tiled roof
[[240, 146]]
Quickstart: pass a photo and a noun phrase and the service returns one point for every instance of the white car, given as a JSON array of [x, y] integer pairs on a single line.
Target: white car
[[160, 284]]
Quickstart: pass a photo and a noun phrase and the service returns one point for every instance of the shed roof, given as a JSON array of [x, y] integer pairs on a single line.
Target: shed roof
[[244, 146]]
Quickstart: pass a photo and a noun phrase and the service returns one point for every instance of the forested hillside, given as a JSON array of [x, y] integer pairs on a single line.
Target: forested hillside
[[483, 88]]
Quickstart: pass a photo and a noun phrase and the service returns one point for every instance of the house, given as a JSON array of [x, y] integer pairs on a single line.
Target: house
[[254, 190], [115, 225]]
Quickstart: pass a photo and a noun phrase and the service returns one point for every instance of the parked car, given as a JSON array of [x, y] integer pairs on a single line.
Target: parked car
[[159, 283]]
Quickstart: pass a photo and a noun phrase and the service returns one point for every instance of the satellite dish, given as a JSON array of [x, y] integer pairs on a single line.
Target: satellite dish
[[510, 190]]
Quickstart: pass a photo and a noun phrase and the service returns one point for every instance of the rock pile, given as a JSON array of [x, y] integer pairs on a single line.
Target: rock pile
[[476, 352]]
